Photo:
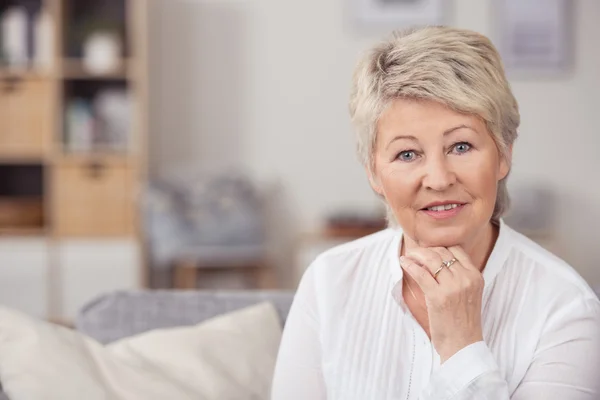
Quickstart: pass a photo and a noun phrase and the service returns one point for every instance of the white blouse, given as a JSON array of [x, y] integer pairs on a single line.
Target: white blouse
[[349, 334]]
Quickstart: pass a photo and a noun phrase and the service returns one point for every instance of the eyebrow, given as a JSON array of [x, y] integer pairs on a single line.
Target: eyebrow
[[446, 132]]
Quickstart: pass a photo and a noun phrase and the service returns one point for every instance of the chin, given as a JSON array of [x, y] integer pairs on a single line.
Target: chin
[[441, 236]]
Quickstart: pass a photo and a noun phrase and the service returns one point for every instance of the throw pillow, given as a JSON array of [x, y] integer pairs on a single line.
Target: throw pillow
[[227, 357]]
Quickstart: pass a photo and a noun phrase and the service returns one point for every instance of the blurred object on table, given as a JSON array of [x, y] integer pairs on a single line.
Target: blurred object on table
[[353, 225]]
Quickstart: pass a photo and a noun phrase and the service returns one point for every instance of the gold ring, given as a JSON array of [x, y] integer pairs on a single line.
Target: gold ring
[[448, 263], [445, 264]]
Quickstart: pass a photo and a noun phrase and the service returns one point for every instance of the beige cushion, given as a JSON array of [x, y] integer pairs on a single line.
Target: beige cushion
[[228, 357]]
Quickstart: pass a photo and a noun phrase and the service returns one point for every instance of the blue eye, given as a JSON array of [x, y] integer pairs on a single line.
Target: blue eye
[[462, 147], [407, 155]]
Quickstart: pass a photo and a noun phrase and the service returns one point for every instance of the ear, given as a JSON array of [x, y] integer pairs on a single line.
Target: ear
[[505, 163], [374, 181]]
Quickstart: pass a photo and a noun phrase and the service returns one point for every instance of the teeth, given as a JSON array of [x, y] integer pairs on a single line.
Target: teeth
[[442, 208]]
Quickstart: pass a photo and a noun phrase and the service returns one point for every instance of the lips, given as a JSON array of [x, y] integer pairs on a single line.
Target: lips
[[444, 210], [443, 206]]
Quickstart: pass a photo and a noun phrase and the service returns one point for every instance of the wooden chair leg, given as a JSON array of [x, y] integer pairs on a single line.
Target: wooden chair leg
[[185, 275]]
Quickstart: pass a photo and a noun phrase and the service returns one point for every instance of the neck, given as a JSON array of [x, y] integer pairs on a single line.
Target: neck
[[480, 248]]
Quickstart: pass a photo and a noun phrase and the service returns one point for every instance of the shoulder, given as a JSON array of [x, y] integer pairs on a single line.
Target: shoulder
[[355, 256], [342, 277], [544, 275], [345, 268]]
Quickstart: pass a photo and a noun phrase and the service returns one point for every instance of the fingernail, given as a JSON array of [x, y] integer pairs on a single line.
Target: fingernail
[[402, 260]]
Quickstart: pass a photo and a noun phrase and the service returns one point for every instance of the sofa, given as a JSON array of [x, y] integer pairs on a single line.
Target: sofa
[[125, 313]]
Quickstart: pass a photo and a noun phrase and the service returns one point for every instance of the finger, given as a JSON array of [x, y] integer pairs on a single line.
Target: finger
[[447, 255], [427, 258], [421, 275], [463, 258]]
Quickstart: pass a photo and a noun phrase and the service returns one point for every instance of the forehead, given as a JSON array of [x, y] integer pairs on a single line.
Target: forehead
[[422, 119]]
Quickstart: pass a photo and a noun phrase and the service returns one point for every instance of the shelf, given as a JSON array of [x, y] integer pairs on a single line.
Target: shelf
[[25, 74], [74, 69], [96, 157], [23, 159], [23, 231]]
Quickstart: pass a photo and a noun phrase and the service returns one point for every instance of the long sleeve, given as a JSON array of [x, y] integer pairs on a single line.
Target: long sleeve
[[566, 364], [298, 373]]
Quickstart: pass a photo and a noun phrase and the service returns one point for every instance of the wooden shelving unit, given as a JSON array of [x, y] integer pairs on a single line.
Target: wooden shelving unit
[[90, 238]]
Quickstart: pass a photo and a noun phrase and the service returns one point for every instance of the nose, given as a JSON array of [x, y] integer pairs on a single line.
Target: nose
[[438, 174]]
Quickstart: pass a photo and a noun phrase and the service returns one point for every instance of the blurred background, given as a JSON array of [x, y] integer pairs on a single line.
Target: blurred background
[[206, 144]]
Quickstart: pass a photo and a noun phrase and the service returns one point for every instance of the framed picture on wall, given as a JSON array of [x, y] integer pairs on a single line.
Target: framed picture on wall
[[399, 14], [535, 37]]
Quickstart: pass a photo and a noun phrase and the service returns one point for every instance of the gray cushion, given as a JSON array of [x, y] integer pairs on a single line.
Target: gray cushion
[[125, 313]]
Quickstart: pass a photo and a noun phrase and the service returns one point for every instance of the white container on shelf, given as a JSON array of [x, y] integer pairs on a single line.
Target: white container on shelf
[[102, 53], [112, 108], [14, 36], [43, 40], [79, 126]]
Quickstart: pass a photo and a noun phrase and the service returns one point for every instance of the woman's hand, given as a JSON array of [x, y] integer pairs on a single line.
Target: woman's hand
[[453, 297]]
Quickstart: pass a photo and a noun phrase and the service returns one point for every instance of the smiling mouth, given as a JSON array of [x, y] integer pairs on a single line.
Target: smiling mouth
[[443, 207], [444, 211]]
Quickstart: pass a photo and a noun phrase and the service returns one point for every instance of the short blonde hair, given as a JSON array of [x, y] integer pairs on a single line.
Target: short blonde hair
[[458, 68]]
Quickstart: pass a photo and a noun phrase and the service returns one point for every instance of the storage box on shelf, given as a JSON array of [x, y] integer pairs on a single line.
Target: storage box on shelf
[[70, 231], [26, 115]]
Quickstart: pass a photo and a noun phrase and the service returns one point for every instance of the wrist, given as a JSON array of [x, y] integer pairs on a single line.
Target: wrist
[[450, 348]]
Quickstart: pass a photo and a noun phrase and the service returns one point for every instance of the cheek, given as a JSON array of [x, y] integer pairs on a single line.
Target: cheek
[[480, 181], [399, 186]]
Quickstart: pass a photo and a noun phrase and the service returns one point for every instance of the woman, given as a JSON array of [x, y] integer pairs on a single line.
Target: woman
[[449, 303]]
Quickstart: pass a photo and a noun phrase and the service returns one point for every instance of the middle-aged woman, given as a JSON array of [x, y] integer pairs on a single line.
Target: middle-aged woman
[[449, 302]]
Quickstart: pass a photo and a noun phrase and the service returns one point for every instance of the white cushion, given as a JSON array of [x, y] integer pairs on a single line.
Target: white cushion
[[228, 357]]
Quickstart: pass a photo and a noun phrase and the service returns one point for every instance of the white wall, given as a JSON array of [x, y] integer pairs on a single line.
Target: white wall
[[263, 84]]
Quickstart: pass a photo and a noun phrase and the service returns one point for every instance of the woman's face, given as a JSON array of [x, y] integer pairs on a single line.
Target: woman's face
[[438, 170]]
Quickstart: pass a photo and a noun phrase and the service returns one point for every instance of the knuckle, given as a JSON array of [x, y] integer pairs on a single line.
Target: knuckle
[[413, 253], [427, 256], [472, 282], [432, 258], [421, 273], [466, 282], [444, 253]]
